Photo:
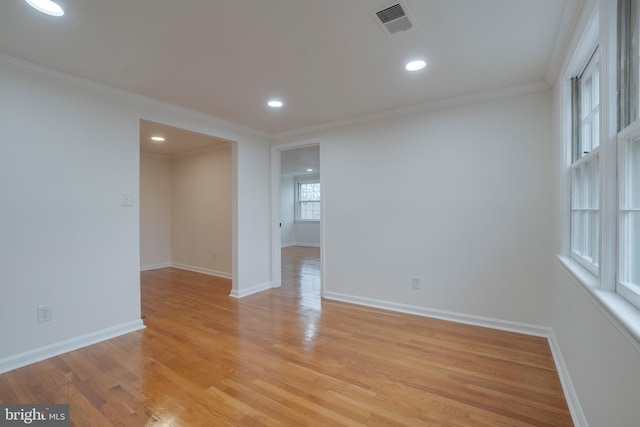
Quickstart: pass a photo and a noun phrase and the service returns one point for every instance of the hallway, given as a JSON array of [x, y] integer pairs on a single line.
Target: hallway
[[301, 274]]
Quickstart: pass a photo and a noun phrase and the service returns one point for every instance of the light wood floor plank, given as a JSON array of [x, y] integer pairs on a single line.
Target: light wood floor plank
[[286, 357]]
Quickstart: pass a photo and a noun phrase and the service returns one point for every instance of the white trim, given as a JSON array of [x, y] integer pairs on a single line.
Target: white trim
[[155, 266], [202, 270], [582, 43], [608, 137], [39, 354], [414, 109], [304, 245], [16, 64], [276, 224], [276, 232], [307, 245], [252, 290], [577, 415], [486, 322], [567, 25], [624, 316]]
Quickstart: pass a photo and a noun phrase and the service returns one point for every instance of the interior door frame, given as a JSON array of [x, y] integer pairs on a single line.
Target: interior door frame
[[276, 236]]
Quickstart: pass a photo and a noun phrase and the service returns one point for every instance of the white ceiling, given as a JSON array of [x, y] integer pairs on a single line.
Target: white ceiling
[[328, 60], [177, 141], [296, 162]]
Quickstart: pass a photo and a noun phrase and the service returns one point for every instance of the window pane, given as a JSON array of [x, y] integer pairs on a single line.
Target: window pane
[[576, 234], [589, 137], [594, 237], [576, 188], [310, 210], [595, 89], [633, 175], [630, 228], [630, 214], [309, 191], [585, 213], [585, 141], [595, 131], [585, 96]]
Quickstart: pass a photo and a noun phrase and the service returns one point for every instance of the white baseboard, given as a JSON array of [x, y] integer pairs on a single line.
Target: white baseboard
[[250, 291], [486, 322], [207, 271], [577, 415], [36, 355], [306, 245], [571, 397], [154, 266]]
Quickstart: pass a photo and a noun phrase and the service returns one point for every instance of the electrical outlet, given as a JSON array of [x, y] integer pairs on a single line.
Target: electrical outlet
[[127, 199], [215, 256], [44, 313], [415, 282]]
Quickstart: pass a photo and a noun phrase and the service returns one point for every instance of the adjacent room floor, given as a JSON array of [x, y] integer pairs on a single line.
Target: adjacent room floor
[[286, 357]]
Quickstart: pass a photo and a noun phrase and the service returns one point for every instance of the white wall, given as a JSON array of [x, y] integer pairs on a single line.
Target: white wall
[[287, 213], [201, 236], [603, 366], [307, 234], [252, 265], [66, 157], [155, 211], [459, 197], [69, 150]]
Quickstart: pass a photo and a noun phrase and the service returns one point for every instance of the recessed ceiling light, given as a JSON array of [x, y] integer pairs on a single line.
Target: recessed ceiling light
[[46, 6], [275, 103], [309, 170], [157, 138], [415, 65]]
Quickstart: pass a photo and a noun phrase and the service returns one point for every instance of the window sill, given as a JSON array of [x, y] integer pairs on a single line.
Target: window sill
[[307, 221], [624, 316]]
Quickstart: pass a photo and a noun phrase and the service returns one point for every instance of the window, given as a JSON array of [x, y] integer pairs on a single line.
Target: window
[[602, 126], [585, 187], [307, 200], [628, 285], [628, 153]]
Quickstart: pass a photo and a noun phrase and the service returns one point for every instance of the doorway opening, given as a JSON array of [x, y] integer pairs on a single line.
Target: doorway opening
[[186, 191], [298, 232]]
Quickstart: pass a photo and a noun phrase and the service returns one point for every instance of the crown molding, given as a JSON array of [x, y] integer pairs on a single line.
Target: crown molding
[[419, 108], [572, 9], [22, 66]]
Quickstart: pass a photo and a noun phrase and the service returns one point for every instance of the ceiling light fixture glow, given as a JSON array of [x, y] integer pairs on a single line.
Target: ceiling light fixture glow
[[275, 103], [309, 170], [415, 65], [157, 138], [46, 6]]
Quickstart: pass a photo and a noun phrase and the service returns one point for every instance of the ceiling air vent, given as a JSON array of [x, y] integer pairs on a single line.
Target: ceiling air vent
[[394, 18]]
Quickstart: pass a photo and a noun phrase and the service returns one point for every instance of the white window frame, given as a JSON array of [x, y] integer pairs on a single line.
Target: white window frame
[[585, 233], [315, 179], [629, 291], [585, 217], [604, 290]]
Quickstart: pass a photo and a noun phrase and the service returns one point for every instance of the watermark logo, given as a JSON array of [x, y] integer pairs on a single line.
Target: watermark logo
[[34, 415]]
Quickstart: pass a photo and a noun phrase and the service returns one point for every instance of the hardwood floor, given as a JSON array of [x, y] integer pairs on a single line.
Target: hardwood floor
[[286, 357]]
